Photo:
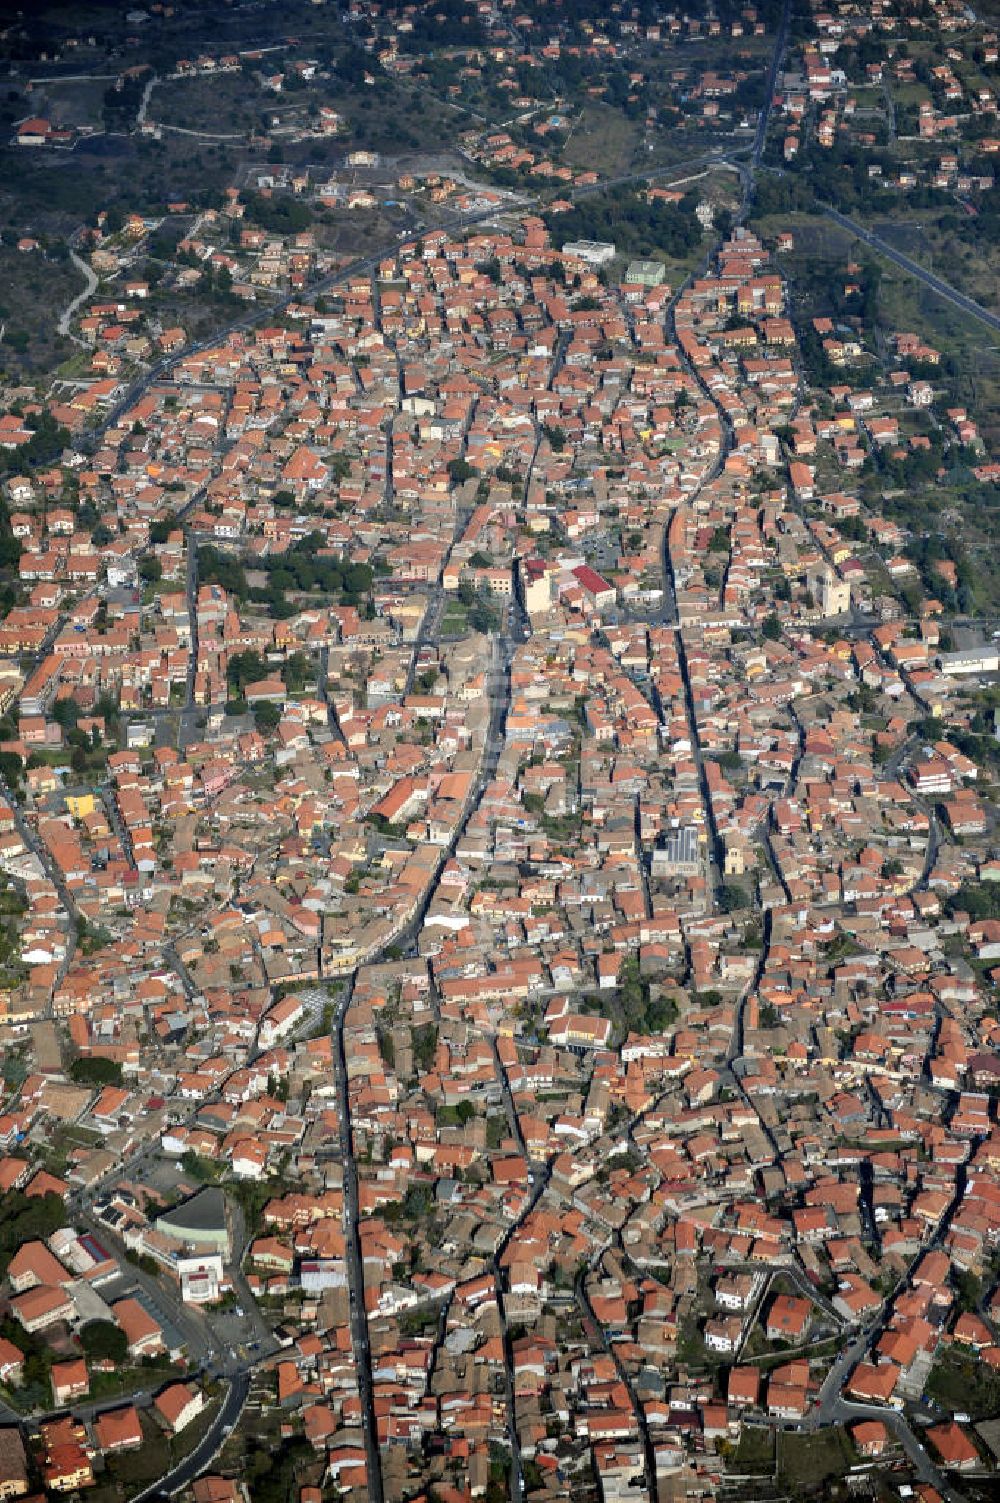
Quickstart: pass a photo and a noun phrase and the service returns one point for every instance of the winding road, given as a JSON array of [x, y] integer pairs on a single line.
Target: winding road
[[90, 278], [207, 1448], [140, 115]]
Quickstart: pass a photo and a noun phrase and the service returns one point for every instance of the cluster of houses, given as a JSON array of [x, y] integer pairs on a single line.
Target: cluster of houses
[[666, 1036], [832, 94]]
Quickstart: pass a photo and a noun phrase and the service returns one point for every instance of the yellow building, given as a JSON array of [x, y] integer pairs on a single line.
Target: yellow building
[[735, 864]]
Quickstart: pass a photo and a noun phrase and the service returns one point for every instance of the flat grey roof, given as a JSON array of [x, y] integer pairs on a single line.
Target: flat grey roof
[[204, 1211]]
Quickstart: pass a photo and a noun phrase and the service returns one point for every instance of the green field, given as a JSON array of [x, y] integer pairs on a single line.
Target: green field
[[959, 1381], [755, 1452], [601, 140], [809, 1464]]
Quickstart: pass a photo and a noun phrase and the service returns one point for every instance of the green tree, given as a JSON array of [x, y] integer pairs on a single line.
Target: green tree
[[201, 1169], [731, 897], [272, 1474], [94, 1070], [161, 529], [295, 672], [103, 1341], [266, 715], [66, 712], [425, 1039], [11, 768], [247, 667], [633, 994], [215, 567], [25, 1218], [970, 1289]]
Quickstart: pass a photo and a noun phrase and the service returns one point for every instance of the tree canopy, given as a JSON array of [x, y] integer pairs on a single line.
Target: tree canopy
[[637, 226], [103, 1341], [93, 1070], [27, 1218]]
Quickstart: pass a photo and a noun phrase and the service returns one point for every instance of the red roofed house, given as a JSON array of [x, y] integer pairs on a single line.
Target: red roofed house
[[118, 1429], [787, 1318], [953, 1446], [34, 132], [179, 1404], [142, 1333], [69, 1380]]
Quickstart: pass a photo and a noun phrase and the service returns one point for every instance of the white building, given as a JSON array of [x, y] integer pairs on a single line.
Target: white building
[[201, 1279], [282, 1018], [594, 252], [318, 1274]]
